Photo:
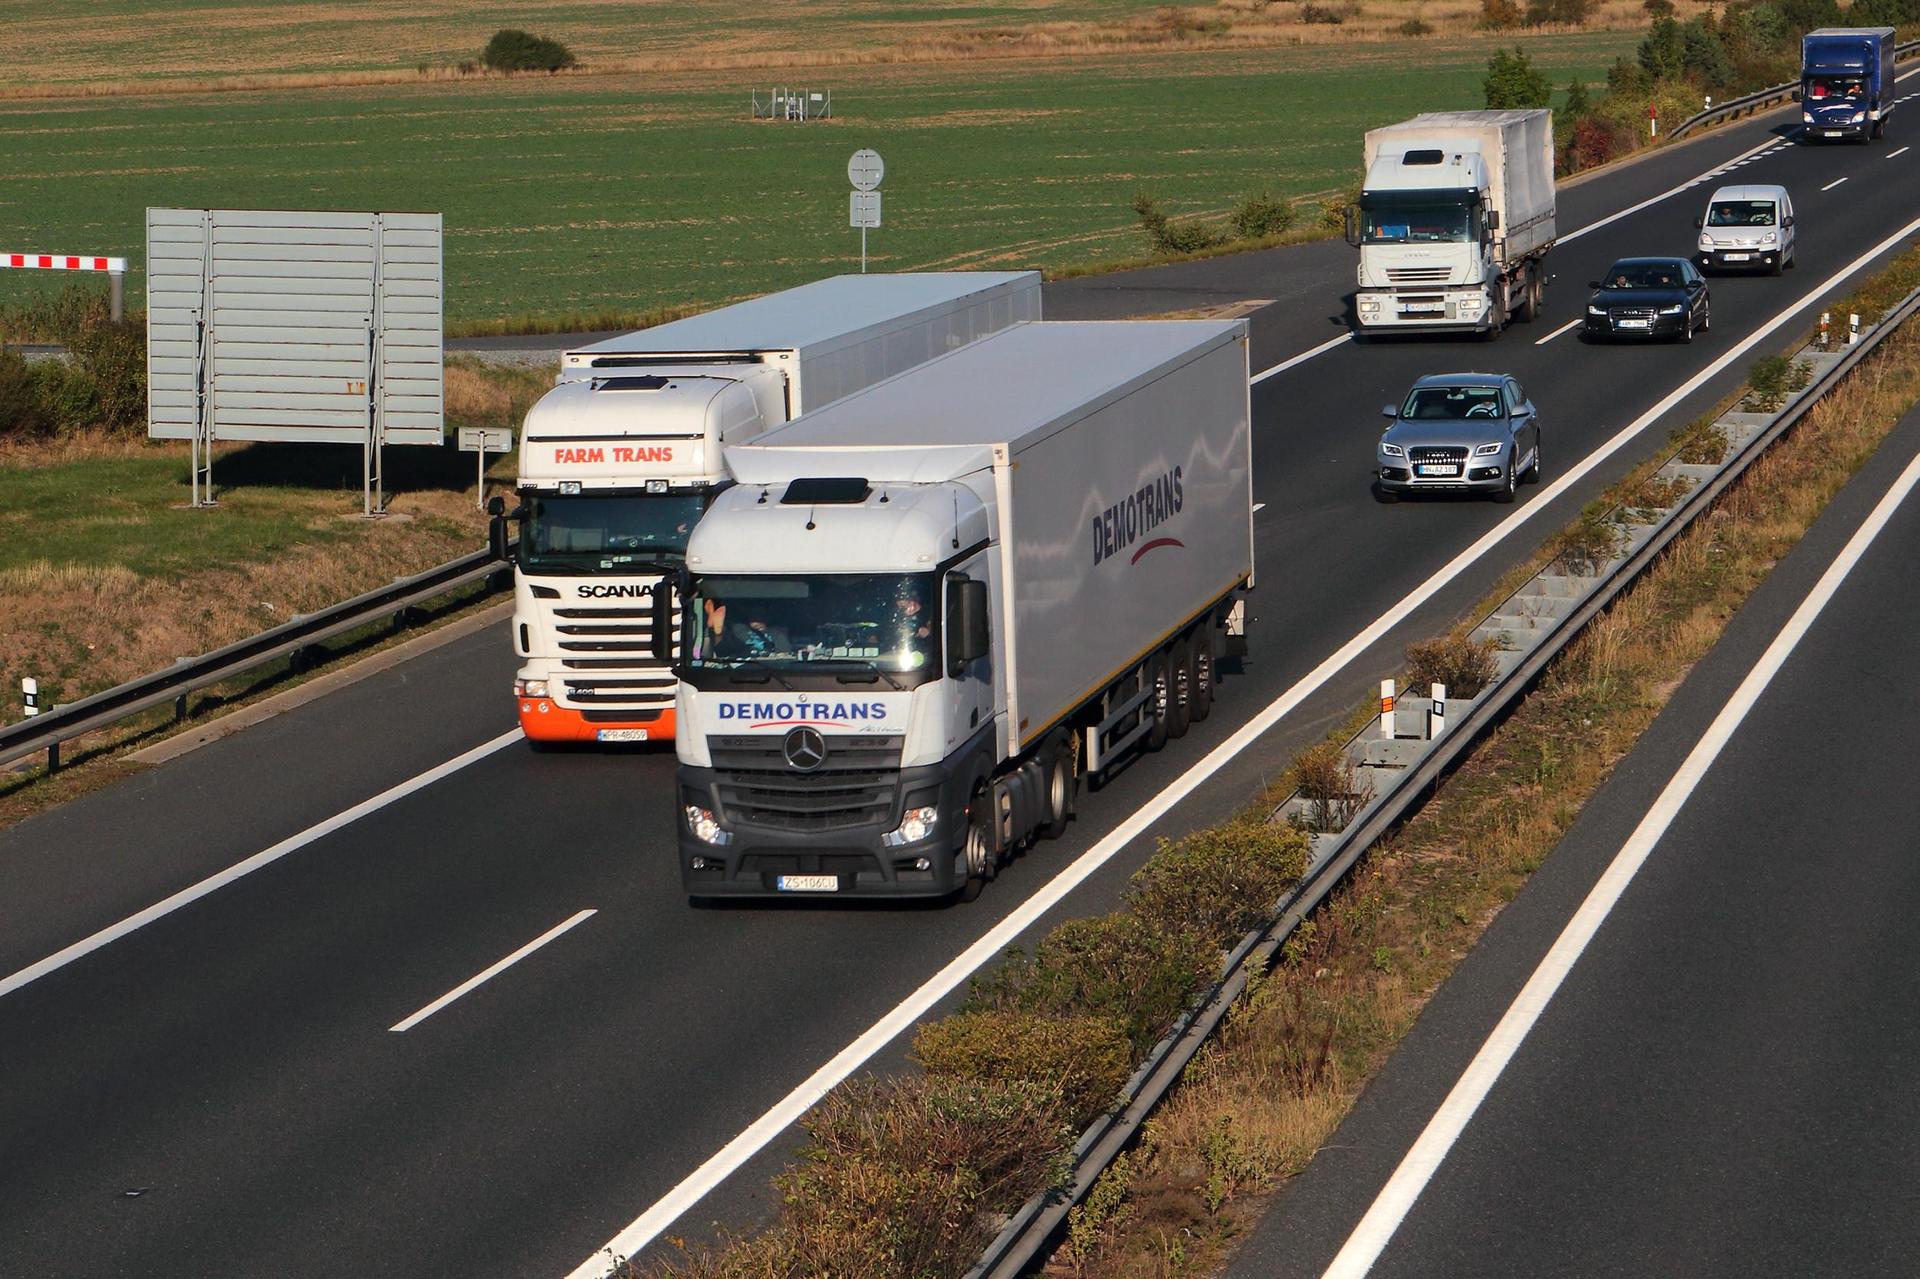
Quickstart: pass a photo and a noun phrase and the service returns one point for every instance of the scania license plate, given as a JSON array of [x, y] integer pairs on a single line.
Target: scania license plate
[[1436, 468], [621, 735], [1736, 257], [808, 883]]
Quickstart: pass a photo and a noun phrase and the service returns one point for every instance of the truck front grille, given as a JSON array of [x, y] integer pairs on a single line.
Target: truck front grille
[[612, 650], [856, 784], [1417, 274]]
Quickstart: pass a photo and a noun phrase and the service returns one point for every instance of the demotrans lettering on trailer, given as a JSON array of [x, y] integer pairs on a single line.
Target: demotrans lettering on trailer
[[1138, 514], [769, 714]]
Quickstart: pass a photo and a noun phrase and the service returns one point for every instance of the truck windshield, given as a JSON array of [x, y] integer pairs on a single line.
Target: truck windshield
[[1821, 87], [875, 621], [1426, 217], [594, 532], [1740, 213]]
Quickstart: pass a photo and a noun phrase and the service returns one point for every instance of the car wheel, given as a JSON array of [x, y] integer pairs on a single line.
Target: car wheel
[[1505, 495], [1533, 471], [1706, 317], [1686, 327], [1779, 265]]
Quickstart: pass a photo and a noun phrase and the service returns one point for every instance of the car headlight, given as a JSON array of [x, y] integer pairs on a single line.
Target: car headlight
[[1672, 310], [1771, 237], [706, 827], [1706, 242], [529, 688], [1391, 450], [915, 825], [1858, 117], [1487, 450], [1599, 311]]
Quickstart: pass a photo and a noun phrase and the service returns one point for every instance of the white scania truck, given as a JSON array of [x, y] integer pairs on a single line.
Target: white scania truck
[[1455, 218], [928, 611], [619, 459]]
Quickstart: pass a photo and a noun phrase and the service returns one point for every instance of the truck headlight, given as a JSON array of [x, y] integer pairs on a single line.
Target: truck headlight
[[706, 827], [1672, 310], [1859, 117], [915, 825], [1487, 450], [529, 688], [1468, 306], [1770, 238], [1806, 117], [1369, 306], [1391, 450]]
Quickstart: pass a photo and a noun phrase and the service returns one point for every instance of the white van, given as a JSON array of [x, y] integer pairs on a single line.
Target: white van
[[1747, 226]]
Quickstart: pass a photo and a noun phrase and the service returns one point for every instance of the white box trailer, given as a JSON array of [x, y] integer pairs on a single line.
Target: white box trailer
[[929, 609], [620, 458], [1456, 214]]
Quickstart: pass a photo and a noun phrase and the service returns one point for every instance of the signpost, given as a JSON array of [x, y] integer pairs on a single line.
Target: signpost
[[864, 170], [484, 440]]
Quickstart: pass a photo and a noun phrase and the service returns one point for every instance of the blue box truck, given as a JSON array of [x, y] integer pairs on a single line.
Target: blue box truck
[[1846, 82]]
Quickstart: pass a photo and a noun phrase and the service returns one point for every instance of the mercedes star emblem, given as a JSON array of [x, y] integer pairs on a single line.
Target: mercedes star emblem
[[805, 749]]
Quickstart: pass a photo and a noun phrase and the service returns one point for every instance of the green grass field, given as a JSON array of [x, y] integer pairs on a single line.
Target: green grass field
[[629, 193]]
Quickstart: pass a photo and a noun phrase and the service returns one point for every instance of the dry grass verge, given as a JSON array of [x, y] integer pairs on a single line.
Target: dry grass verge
[[1276, 1082]]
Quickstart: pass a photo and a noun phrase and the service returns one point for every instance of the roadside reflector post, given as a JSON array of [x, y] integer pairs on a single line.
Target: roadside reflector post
[[1386, 709], [30, 695], [1853, 328], [1437, 713], [1653, 121], [1826, 321]]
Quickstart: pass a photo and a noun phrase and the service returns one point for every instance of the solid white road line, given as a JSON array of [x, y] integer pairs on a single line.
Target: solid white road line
[[1397, 1198], [1891, 154], [788, 1111], [239, 870], [1831, 185], [1557, 332], [1259, 507], [579, 917], [1301, 358]]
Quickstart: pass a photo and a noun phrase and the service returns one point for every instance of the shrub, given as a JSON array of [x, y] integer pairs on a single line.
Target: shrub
[[1333, 209], [1654, 496], [1577, 103], [1415, 27], [1167, 236], [1115, 967], [1330, 784], [1218, 883], [1662, 55], [514, 50], [1627, 77], [1658, 8], [23, 414], [1082, 1060], [1259, 215], [1500, 15], [1703, 56], [1323, 15], [1772, 379], [1594, 141], [1704, 446], [1512, 82], [1588, 545], [1465, 666], [113, 357], [1571, 13]]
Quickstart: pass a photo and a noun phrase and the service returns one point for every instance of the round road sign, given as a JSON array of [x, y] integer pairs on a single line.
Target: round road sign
[[865, 170]]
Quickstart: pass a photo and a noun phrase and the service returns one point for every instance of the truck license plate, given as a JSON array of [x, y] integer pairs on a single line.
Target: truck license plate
[[1833, 133], [808, 883], [1424, 308], [1430, 468], [621, 735]]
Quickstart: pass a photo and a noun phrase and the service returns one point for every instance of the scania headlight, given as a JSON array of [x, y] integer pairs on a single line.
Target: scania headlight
[[915, 825], [529, 688], [1487, 450], [706, 827], [1672, 310], [1391, 450]]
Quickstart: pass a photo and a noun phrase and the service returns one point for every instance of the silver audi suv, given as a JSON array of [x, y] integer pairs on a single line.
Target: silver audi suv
[[1465, 432]]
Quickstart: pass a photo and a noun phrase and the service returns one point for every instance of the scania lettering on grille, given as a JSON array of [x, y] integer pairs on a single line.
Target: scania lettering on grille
[[784, 713], [640, 592], [1138, 514]]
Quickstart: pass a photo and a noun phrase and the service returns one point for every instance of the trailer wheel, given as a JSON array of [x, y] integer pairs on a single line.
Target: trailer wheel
[[977, 849], [1062, 775], [1202, 684], [1159, 702], [1180, 689]]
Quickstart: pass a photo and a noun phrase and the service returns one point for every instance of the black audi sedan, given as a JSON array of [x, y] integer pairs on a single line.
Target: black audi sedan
[[1649, 298]]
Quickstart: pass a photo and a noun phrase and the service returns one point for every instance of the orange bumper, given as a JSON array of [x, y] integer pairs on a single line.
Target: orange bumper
[[543, 721]]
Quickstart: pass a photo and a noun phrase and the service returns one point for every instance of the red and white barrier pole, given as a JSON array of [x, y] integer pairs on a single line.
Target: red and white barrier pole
[[116, 269]]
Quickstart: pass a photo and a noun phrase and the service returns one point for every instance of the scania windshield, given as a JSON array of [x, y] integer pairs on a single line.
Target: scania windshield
[[593, 533], [857, 626]]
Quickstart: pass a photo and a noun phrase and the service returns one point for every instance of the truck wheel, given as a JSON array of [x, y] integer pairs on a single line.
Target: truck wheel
[[1160, 702], [1180, 689], [976, 850], [1530, 297], [1202, 683], [1062, 782]]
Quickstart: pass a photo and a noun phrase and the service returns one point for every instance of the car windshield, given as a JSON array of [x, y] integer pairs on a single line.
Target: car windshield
[[591, 532], [1740, 213], [1452, 403], [873, 621], [1426, 217], [1643, 275]]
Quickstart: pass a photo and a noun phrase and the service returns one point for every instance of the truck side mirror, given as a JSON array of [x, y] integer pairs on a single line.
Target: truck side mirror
[[497, 529], [966, 623], [1793, 95], [1350, 222], [665, 618]]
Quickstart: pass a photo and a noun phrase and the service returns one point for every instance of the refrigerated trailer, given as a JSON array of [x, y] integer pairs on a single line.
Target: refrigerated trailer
[[619, 459], [927, 612]]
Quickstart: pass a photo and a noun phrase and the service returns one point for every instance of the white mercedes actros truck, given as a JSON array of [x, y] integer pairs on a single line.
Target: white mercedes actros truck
[[1455, 219], [620, 458], [928, 611]]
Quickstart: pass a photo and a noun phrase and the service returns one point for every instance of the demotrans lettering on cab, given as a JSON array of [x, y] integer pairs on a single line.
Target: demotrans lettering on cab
[[899, 665], [620, 459]]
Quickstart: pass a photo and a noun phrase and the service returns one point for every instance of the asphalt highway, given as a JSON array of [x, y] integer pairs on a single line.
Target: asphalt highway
[[1721, 1082], [217, 1086]]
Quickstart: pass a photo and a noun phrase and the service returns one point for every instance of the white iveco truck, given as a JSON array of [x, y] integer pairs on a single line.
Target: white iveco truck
[[928, 611], [1455, 218], [619, 459]]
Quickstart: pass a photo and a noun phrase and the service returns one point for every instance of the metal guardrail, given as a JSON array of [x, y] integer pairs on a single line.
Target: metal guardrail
[[1757, 99], [47, 731], [1029, 1235]]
